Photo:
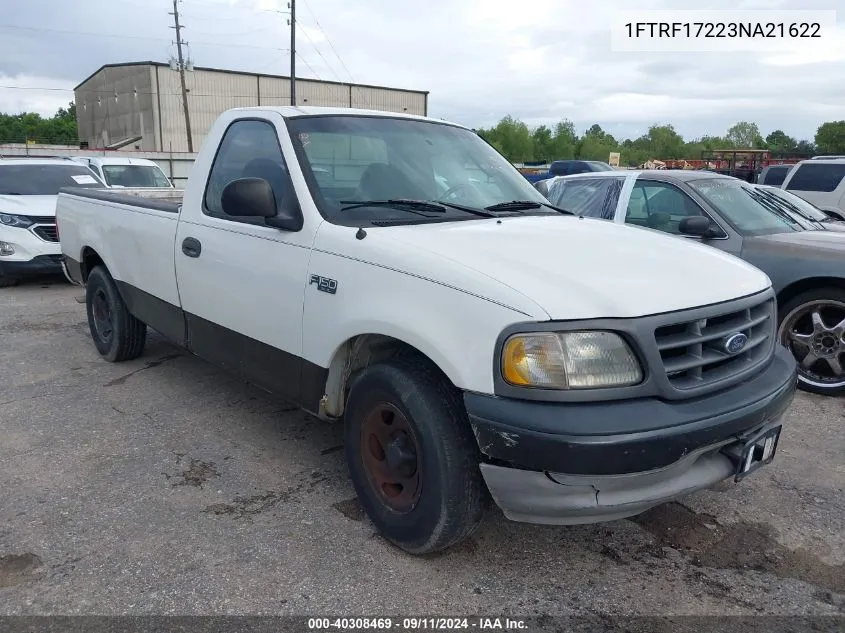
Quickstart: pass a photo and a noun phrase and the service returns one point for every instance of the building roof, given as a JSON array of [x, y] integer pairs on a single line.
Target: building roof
[[248, 74]]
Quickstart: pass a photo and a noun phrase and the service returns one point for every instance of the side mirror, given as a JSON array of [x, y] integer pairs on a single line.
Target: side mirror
[[253, 197], [698, 226]]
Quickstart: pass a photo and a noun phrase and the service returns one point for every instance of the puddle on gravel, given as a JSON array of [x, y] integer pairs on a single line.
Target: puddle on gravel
[[741, 546], [16, 569]]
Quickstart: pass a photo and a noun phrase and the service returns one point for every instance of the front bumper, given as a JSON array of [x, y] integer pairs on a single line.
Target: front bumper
[[583, 462], [32, 254], [39, 265]]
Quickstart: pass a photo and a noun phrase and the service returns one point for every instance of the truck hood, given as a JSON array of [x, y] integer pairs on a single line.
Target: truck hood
[[41, 206], [575, 268]]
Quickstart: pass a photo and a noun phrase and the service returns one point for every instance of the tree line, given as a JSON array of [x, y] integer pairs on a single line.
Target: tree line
[[60, 129], [520, 144]]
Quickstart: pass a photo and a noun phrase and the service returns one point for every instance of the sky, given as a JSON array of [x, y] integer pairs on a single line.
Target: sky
[[479, 59]]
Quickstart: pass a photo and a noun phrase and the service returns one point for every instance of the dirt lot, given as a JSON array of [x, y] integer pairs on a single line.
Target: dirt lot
[[166, 486]]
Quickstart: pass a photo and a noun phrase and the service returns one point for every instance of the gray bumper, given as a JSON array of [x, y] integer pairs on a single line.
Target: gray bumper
[[552, 498]]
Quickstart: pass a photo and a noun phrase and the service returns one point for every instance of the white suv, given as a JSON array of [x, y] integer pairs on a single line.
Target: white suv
[[29, 187], [821, 182]]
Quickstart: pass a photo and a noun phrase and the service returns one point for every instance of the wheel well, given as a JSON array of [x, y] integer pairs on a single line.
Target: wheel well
[[90, 259], [353, 356], [813, 283]]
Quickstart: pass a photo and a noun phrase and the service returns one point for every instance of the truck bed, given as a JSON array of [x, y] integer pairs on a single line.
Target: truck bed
[[132, 229], [164, 199]]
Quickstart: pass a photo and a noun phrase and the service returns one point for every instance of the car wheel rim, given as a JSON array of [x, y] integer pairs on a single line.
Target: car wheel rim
[[102, 315], [815, 334], [390, 454]]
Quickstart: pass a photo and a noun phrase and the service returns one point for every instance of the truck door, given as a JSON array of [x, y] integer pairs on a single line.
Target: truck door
[[241, 282]]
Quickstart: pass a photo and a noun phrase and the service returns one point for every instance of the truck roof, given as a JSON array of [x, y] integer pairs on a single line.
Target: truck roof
[[292, 112]]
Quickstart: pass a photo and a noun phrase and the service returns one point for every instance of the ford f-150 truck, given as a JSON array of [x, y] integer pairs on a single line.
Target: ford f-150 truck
[[476, 341]]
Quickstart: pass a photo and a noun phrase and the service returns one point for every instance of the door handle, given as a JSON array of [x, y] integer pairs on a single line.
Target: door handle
[[191, 247]]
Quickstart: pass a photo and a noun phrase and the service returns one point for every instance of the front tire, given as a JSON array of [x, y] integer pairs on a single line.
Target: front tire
[[812, 327], [117, 335], [412, 457]]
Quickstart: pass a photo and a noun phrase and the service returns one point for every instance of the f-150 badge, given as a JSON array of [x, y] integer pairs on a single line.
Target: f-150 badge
[[324, 284]]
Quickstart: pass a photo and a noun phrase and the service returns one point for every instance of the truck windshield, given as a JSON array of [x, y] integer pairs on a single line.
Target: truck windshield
[[134, 176], [350, 158], [44, 180], [748, 210]]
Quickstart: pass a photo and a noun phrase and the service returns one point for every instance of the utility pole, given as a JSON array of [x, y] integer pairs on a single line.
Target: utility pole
[[292, 52], [179, 43]]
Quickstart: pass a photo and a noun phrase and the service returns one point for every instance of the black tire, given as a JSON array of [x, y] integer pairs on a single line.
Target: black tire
[[7, 282], [452, 496], [117, 335], [819, 378]]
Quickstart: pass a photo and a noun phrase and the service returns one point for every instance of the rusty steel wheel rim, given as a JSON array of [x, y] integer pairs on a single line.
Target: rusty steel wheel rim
[[390, 454]]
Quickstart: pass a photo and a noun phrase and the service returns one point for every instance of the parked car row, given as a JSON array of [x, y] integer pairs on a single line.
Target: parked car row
[[476, 340], [29, 187], [800, 247]]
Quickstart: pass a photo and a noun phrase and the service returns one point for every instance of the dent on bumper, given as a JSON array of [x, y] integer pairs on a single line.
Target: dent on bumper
[[550, 498]]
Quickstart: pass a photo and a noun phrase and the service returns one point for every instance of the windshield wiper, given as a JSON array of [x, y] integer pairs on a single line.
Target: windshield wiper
[[397, 203], [413, 205], [524, 205], [10, 193]]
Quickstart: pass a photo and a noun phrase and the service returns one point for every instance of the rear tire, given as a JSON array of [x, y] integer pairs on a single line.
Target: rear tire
[[808, 327], [7, 282], [117, 335], [406, 413]]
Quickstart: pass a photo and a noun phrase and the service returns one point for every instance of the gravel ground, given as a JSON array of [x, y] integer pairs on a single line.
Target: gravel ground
[[164, 486]]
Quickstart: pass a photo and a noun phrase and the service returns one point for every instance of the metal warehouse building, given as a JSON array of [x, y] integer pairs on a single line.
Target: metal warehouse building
[[138, 105]]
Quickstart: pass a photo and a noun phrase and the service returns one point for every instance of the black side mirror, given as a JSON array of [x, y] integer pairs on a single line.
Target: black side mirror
[[698, 226], [253, 197]]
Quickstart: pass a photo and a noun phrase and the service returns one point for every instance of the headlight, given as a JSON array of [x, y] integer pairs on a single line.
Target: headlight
[[18, 221], [569, 360]]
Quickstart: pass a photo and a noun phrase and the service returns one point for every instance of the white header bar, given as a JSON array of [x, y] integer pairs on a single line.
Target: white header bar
[[712, 31]]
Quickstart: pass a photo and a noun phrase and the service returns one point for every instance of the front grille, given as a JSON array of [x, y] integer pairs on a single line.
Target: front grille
[[46, 232], [694, 354]]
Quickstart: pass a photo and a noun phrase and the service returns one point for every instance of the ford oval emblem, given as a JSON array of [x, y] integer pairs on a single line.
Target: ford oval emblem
[[735, 343]]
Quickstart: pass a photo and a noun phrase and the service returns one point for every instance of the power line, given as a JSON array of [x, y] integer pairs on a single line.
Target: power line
[[328, 39], [134, 37], [325, 61], [304, 61]]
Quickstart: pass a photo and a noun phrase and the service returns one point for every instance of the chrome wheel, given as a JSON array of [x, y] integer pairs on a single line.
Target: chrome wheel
[[815, 333]]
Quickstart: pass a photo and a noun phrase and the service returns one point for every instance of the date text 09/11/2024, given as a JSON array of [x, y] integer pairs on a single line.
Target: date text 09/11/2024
[[751, 30], [415, 624]]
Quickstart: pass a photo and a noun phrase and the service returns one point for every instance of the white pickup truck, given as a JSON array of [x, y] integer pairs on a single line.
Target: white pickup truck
[[399, 274]]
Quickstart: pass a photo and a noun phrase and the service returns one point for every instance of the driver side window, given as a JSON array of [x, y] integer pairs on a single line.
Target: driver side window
[[661, 206], [249, 149]]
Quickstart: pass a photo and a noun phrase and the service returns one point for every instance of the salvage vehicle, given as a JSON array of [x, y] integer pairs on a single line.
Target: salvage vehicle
[[821, 181], [805, 260], [29, 243], [475, 341], [122, 172]]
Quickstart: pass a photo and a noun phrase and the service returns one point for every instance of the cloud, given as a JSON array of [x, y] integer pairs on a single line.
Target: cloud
[[480, 59]]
